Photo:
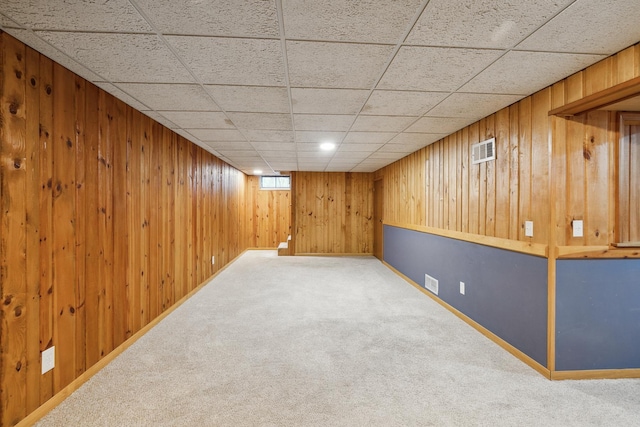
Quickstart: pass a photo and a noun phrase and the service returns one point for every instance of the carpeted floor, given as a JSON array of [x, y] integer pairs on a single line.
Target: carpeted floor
[[324, 341]]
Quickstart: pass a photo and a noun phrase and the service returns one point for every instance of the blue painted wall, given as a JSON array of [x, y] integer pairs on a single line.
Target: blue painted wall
[[597, 314], [506, 292]]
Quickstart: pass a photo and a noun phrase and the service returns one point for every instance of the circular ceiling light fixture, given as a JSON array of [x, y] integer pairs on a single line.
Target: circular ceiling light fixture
[[327, 146]]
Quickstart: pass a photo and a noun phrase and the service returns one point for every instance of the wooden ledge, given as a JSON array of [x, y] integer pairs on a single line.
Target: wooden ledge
[[614, 94], [596, 252]]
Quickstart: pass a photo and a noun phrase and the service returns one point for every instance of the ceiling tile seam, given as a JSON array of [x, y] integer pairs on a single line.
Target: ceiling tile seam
[[386, 66], [505, 52], [196, 79], [124, 33], [287, 81]]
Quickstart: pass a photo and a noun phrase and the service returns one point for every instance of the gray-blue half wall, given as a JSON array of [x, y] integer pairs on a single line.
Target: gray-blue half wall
[[505, 291], [597, 314]]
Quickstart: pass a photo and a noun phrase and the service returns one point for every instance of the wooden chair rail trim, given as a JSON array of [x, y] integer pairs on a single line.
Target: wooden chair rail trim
[[537, 249], [614, 94], [596, 252]]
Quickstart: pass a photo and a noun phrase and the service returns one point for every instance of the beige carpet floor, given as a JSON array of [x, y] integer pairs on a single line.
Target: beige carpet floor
[[328, 341]]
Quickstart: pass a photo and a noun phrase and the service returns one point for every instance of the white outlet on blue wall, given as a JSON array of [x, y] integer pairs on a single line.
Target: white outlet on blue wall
[[462, 288]]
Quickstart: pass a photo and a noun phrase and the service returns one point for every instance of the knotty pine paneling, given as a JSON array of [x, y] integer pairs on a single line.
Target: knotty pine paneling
[[333, 213], [268, 215], [537, 156], [107, 219]]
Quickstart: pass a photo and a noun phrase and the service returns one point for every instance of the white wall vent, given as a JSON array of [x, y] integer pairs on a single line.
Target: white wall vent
[[431, 284], [483, 151]]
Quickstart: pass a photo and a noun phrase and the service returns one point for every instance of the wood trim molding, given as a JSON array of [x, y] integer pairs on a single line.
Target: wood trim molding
[[596, 252], [484, 331], [537, 249], [334, 254], [614, 94], [596, 374]]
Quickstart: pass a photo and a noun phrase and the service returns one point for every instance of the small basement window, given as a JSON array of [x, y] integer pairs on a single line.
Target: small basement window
[[275, 182]]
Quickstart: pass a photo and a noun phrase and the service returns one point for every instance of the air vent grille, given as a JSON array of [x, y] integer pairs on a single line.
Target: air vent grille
[[483, 151], [431, 283]]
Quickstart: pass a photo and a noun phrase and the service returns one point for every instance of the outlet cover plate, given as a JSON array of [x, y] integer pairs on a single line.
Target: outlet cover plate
[[213, 260], [528, 228], [577, 228], [48, 359], [462, 288]]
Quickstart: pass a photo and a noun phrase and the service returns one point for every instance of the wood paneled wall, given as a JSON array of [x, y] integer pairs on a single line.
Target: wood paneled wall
[[333, 213], [540, 160], [106, 220], [268, 215]]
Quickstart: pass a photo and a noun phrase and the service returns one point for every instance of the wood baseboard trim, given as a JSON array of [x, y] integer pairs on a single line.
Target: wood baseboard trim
[[484, 331], [333, 254], [57, 398], [596, 374]]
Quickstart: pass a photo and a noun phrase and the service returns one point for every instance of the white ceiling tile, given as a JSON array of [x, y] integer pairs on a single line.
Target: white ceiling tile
[[325, 122], [317, 136], [442, 125], [317, 154], [401, 148], [274, 146], [247, 18], [269, 135], [122, 57], [328, 101], [527, 72], [364, 168], [401, 103], [108, 87], [284, 166], [472, 105], [380, 156], [435, 68], [241, 155], [278, 155], [368, 137], [31, 39], [222, 135], [589, 26], [171, 96], [163, 120], [381, 123], [265, 121], [335, 65], [230, 146], [199, 119], [5, 22], [417, 139], [352, 156], [251, 98], [344, 20], [232, 61], [346, 147], [481, 23], [76, 15]]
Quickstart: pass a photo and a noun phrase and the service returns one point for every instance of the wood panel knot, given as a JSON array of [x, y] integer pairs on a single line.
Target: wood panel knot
[[17, 163], [72, 310], [18, 74], [586, 153], [69, 143], [17, 311], [13, 107], [19, 366], [33, 81], [8, 299], [48, 90]]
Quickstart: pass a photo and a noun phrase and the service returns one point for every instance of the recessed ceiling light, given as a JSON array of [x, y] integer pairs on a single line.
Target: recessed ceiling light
[[327, 146], [257, 171]]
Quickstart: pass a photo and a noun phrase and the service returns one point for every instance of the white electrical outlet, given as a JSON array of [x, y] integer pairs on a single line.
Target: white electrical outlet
[[48, 360], [462, 288], [213, 260], [528, 228], [577, 228]]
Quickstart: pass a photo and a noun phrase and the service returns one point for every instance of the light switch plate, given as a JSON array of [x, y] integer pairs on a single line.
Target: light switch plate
[[528, 228]]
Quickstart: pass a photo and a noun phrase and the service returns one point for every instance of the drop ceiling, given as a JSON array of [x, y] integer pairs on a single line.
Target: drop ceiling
[[261, 83]]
